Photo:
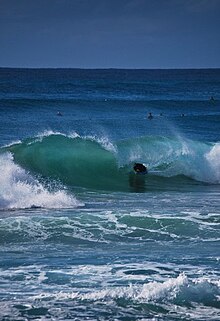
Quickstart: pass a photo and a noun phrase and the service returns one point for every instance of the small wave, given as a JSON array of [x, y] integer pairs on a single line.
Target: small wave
[[180, 291]]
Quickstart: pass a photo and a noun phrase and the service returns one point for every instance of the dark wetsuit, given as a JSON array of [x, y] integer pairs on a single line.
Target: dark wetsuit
[[140, 168]]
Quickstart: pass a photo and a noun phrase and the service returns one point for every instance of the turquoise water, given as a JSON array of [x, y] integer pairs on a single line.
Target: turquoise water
[[81, 236]]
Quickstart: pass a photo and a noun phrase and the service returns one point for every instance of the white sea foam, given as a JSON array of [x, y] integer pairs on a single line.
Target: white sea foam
[[193, 159], [18, 189], [13, 143], [49, 132], [195, 290], [152, 291], [200, 162], [213, 158], [104, 142]]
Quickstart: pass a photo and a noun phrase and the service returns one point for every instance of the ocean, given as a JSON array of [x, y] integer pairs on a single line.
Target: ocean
[[82, 237]]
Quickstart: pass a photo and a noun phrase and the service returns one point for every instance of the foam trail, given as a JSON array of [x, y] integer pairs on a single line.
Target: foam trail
[[176, 292], [148, 292], [152, 291], [18, 189]]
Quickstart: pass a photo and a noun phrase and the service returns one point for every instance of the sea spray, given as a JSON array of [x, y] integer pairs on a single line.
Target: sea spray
[[18, 189], [213, 159]]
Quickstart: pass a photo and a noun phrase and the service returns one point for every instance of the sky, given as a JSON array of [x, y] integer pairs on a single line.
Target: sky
[[110, 33]]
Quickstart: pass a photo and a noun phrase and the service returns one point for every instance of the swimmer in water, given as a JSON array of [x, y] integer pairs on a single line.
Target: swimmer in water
[[150, 116]]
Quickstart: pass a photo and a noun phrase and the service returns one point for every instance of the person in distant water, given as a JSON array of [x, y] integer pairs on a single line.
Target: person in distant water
[[140, 168], [59, 113], [182, 115], [150, 116], [212, 99]]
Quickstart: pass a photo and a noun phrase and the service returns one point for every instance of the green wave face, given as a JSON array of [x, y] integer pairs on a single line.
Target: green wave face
[[86, 163], [74, 161]]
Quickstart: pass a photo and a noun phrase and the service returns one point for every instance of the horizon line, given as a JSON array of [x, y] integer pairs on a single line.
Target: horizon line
[[112, 68]]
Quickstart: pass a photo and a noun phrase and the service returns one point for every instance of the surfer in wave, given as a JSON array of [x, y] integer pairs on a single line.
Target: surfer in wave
[[137, 178], [140, 168]]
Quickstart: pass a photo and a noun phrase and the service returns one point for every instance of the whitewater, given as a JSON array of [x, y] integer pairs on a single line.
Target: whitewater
[[82, 237]]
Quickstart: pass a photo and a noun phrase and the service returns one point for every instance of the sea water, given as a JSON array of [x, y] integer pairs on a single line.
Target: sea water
[[82, 237]]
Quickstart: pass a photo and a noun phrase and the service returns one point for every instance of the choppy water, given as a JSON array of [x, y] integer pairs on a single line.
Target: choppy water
[[81, 236]]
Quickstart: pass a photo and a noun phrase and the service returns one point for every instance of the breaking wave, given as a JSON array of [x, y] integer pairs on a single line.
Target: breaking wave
[[89, 162], [18, 189]]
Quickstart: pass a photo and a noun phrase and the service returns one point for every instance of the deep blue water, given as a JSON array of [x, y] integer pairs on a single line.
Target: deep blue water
[[82, 237]]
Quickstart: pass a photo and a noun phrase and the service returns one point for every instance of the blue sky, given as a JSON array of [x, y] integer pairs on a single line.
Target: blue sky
[[110, 33]]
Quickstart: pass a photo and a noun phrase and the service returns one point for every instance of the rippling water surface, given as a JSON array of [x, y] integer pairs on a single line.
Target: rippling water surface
[[81, 236]]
